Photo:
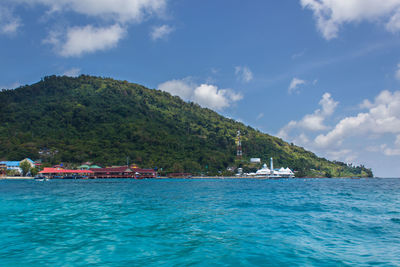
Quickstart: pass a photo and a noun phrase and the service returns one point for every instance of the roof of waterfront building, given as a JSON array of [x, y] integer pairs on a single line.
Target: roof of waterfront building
[[59, 170], [95, 167], [112, 169], [85, 166], [10, 163]]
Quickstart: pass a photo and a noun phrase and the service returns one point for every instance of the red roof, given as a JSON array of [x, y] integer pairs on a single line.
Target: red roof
[[58, 170], [113, 169]]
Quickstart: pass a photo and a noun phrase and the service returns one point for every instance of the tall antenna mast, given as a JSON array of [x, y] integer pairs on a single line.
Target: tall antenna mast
[[239, 151]]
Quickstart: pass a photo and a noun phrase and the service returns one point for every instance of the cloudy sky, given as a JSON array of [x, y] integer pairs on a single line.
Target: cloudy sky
[[323, 74]]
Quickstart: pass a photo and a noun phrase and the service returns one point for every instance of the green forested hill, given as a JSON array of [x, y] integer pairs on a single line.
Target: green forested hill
[[63, 119]]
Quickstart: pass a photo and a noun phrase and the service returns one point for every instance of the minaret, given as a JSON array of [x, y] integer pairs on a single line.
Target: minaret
[[272, 165]]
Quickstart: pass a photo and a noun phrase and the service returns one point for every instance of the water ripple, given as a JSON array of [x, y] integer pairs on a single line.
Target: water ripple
[[296, 222]]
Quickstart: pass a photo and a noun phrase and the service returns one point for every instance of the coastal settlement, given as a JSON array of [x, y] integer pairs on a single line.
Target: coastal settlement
[[28, 167]]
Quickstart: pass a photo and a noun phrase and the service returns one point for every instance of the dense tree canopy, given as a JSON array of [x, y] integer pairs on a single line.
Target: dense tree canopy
[[64, 119], [25, 167]]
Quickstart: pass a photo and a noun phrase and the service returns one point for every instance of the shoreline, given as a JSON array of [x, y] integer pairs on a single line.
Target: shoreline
[[16, 178], [193, 177]]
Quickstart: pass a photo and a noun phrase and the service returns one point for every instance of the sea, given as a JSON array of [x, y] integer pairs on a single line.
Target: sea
[[200, 222]]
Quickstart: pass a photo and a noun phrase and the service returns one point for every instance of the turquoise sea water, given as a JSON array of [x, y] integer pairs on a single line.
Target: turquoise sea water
[[299, 222]]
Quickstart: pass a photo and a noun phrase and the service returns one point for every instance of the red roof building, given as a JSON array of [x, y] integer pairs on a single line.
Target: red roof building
[[124, 172], [114, 172], [145, 173], [58, 172]]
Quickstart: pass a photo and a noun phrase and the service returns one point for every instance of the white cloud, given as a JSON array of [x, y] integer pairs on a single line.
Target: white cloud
[[382, 117], [9, 23], [294, 84], [390, 151], [302, 139], [88, 39], [243, 73], [366, 104], [161, 32], [234, 97], [116, 15], [314, 121], [74, 72], [342, 154], [261, 115], [205, 94], [328, 105], [183, 88], [303, 132], [394, 23], [332, 14], [117, 10], [393, 150], [209, 96], [370, 137]]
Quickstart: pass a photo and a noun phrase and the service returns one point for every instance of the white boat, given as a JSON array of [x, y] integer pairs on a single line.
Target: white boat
[[41, 178]]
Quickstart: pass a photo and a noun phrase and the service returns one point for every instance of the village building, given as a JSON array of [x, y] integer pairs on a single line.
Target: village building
[[65, 173], [12, 165], [113, 172], [123, 172], [255, 160], [15, 165], [145, 173], [3, 169]]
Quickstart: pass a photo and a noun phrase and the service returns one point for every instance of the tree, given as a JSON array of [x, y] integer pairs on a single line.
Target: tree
[[177, 167], [301, 173], [12, 173], [34, 171], [328, 174], [25, 167]]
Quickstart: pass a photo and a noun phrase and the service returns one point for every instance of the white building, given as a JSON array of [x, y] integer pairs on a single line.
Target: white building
[[265, 172]]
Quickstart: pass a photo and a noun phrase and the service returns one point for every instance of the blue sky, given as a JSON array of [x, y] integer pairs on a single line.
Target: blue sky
[[319, 73]]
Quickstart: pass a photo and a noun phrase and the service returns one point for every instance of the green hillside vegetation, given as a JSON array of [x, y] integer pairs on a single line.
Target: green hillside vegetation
[[63, 119]]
